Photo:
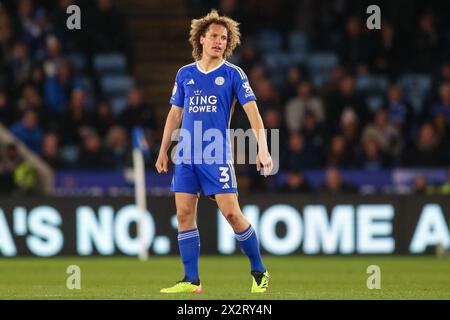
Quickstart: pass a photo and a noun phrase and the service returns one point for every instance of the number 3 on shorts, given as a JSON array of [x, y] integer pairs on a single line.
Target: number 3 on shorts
[[225, 176]]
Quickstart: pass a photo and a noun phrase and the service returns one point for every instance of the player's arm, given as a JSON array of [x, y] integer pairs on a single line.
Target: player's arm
[[263, 158], [173, 122]]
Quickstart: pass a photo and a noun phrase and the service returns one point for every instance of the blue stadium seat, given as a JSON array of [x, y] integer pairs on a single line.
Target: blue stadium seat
[[320, 66], [375, 101], [298, 57], [88, 87], [415, 88], [372, 83], [234, 59], [277, 60], [77, 61], [118, 103], [110, 63], [298, 42], [270, 41], [116, 84], [69, 153], [278, 78], [322, 62], [375, 87]]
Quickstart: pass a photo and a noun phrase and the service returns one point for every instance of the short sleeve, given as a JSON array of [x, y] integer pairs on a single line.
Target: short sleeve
[[242, 89], [178, 92]]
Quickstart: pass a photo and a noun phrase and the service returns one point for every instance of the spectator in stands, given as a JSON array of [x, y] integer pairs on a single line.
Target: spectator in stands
[[384, 133], [268, 95], [445, 73], [28, 131], [117, 142], [299, 155], [442, 77], [387, 50], [400, 112], [257, 74], [371, 156], [272, 121], [36, 35], [232, 9], [93, 156], [442, 130], [53, 57], [138, 112], [426, 151], [313, 133], [420, 185], [334, 183], [338, 154], [345, 97], [10, 159], [302, 102], [18, 66], [106, 27], [425, 44], [153, 147], [354, 46], [24, 20], [6, 34], [37, 77], [445, 187], [76, 119], [295, 183], [6, 110], [293, 79], [59, 86], [50, 151], [249, 57], [31, 99], [443, 106], [349, 129], [104, 118], [331, 85]]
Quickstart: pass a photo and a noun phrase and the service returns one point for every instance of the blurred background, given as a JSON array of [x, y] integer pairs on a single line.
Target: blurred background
[[359, 111]]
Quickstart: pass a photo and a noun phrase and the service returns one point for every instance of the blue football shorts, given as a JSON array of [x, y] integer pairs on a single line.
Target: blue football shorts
[[208, 179]]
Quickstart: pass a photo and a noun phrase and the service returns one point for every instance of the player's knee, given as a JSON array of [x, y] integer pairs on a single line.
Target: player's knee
[[231, 216], [184, 215]]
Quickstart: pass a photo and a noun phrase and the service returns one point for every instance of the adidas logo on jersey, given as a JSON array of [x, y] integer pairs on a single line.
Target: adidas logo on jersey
[[226, 186], [191, 81]]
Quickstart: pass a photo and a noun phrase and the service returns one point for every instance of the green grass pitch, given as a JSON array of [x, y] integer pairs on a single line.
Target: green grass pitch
[[227, 278]]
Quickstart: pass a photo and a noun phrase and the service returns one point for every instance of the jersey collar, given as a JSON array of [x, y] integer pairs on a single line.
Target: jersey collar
[[206, 72]]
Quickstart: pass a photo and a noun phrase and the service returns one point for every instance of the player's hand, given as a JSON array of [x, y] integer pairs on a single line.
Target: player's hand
[[264, 162], [162, 163]]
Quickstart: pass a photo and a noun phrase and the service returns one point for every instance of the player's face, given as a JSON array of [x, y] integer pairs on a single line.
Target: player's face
[[215, 41]]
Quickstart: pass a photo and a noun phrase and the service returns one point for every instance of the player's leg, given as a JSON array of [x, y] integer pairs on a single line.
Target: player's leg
[[186, 188], [188, 236], [246, 236], [188, 243]]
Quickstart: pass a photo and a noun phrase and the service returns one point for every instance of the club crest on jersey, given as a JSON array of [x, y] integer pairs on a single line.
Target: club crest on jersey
[[219, 81]]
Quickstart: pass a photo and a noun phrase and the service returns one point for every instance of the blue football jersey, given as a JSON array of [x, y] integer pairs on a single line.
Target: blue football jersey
[[208, 100]]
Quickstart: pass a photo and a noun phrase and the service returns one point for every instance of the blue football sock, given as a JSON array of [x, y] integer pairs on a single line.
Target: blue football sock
[[189, 244], [249, 245]]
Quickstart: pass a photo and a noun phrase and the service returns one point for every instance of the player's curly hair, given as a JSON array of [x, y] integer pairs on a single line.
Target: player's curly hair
[[199, 27]]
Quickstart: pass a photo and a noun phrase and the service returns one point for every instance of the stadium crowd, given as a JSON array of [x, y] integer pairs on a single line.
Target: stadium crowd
[[357, 112]]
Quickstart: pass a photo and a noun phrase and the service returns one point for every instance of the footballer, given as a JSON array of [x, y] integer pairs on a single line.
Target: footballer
[[206, 92]]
